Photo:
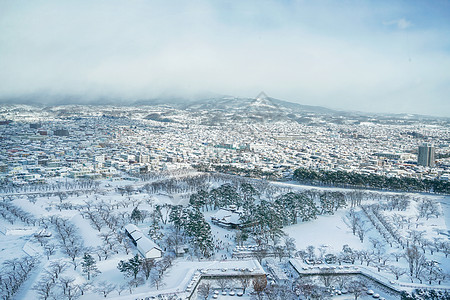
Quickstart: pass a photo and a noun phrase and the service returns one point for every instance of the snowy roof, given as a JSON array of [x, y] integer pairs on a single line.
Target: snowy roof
[[227, 216], [136, 235], [145, 244], [131, 228]]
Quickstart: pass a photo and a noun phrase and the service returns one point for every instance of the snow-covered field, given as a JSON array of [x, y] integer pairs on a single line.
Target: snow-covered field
[[328, 231]]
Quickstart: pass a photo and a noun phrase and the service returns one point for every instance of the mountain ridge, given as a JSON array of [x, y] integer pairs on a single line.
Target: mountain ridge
[[259, 105]]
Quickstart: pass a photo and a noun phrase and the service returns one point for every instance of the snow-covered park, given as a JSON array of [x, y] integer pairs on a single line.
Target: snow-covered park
[[67, 239]]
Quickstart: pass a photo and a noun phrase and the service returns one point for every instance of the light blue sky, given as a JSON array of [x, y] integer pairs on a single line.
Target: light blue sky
[[379, 56]]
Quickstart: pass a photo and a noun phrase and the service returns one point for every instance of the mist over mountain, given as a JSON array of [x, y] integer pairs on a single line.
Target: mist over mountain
[[211, 109]]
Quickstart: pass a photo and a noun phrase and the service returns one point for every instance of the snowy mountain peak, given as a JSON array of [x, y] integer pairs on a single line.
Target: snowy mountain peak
[[263, 100], [262, 97]]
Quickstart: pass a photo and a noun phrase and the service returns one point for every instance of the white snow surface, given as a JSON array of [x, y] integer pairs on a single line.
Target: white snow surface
[[329, 232]]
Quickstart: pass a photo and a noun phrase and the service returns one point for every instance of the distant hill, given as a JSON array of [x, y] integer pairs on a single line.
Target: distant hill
[[261, 103], [221, 109]]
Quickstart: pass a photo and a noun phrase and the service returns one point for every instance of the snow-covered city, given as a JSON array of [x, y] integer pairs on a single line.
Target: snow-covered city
[[200, 150], [110, 203]]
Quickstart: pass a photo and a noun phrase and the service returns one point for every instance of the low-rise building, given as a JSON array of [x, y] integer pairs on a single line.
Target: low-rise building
[[146, 247]]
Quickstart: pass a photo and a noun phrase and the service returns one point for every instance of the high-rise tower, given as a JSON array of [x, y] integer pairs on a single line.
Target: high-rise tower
[[426, 155]]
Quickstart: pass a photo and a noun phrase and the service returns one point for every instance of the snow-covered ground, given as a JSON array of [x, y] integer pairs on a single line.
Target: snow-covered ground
[[328, 232]]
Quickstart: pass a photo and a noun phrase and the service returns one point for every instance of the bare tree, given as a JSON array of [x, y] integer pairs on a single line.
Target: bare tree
[[415, 260], [136, 282], [55, 268], [307, 288], [73, 250], [352, 220], [311, 252], [397, 255], [147, 266], [361, 230], [327, 277], [105, 288], [259, 284], [49, 249], [62, 196], [244, 281], [223, 282], [84, 287], [94, 217], [428, 208], [155, 279], [121, 288], [279, 251], [260, 254], [341, 281], [32, 198], [397, 272], [289, 245], [70, 290], [14, 272], [204, 289], [108, 239], [445, 246], [44, 287], [358, 288]]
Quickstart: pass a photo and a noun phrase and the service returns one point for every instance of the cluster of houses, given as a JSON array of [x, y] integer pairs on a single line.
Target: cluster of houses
[[95, 147]]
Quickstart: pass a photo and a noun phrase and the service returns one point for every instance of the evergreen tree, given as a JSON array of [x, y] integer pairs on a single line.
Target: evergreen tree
[[225, 195], [269, 221], [342, 178], [248, 191], [289, 203], [200, 232], [307, 209], [130, 267], [326, 203], [199, 199], [155, 228], [89, 266], [136, 215], [177, 216]]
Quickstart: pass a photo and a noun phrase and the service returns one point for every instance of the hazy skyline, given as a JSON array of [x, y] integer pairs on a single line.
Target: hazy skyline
[[374, 56]]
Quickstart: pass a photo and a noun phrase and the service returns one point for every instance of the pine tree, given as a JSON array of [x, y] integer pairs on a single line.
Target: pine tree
[[288, 204], [89, 266], [248, 192], [155, 228], [177, 216], [326, 204], [308, 209], [136, 215], [269, 221], [130, 267], [199, 199]]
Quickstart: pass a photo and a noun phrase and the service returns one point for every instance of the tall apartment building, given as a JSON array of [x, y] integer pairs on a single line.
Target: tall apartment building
[[426, 155], [144, 159]]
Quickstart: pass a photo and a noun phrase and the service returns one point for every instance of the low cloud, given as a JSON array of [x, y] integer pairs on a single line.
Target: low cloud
[[334, 55]]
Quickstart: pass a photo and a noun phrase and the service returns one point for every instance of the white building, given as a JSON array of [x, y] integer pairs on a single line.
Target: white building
[[146, 247]]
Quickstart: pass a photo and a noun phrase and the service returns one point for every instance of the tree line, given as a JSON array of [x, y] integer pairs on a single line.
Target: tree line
[[374, 181], [264, 217]]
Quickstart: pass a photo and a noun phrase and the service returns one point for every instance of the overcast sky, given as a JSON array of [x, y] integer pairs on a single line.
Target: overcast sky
[[377, 56]]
